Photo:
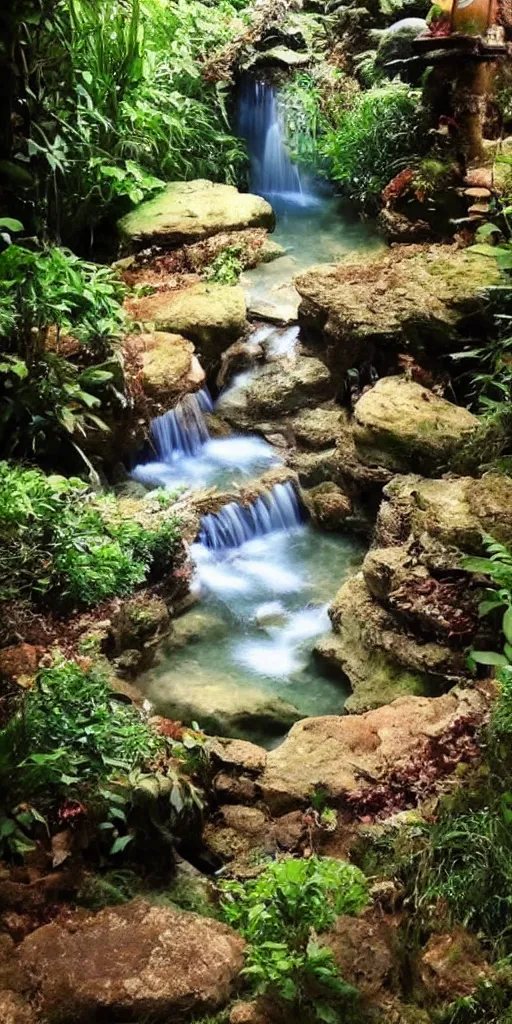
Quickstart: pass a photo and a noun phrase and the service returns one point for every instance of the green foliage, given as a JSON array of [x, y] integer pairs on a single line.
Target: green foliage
[[75, 741], [120, 103], [226, 267], [59, 546], [381, 134], [498, 567], [280, 912], [44, 296]]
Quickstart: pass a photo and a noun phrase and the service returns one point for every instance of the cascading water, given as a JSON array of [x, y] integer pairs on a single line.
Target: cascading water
[[186, 455], [235, 524], [273, 174]]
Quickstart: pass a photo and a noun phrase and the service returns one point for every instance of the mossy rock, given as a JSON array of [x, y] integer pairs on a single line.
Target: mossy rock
[[400, 425], [212, 315], [187, 211]]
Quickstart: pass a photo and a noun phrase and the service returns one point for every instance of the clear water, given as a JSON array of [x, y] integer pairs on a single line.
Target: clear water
[[268, 603]]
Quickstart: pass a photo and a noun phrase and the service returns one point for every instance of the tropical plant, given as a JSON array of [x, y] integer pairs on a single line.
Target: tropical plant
[[75, 742], [59, 545], [227, 266], [498, 567], [381, 134], [280, 912]]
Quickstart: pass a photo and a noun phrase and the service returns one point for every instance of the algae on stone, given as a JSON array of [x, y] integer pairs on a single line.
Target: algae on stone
[[401, 426], [212, 315], [187, 211]]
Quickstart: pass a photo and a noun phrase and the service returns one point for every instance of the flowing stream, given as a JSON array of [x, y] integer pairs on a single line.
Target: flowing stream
[[264, 576]]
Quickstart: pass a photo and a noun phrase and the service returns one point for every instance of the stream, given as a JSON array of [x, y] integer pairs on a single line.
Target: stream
[[264, 576]]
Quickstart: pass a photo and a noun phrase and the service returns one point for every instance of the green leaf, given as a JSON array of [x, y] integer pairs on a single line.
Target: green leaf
[[11, 224], [489, 658], [507, 624], [120, 844]]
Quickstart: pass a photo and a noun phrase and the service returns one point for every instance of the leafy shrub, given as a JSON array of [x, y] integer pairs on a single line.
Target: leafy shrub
[[498, 566], [380, 134], [74, 741], [60, 546], [226, 267], [279, 913], [121, 103]]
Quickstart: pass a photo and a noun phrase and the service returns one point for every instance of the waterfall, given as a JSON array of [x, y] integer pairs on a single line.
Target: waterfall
[[182, 430], [259, 122], [235, 524]]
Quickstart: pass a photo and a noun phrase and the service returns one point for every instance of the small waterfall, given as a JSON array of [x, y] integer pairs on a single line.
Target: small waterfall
[[182, 430], [235, 524], [260, 123]]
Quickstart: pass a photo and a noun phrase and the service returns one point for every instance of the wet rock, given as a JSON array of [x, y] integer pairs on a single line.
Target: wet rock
[[362, 948], [161, 963], [313, 468], [453, 966], [322, 427], [329, 506], [237, 755], [185, 212], [349, 754], [401, 425], [222, 708], [406, 298], [141, 624], [212, 315], [280, 388], [193, 627], [382, 660], [169, 369], [238, 357], [452, 511]]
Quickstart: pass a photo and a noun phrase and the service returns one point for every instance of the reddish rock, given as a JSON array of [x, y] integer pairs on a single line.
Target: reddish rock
[[362, 949], [19, 664], [453, 965], [132, 962]]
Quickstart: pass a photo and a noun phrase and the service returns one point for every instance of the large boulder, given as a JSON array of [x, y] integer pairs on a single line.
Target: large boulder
[[212, 315], [222, 707], [350, 754], [187, 211], [169, 368], [381, 659], [401, 425], [399, 299], [277, 389], [453, 512], [131, 963]]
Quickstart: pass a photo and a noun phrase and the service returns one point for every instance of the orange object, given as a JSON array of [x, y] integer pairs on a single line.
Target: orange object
[[473, 17]]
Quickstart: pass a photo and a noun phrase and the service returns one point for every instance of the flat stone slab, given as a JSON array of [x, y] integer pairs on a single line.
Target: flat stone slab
[[188, 211]]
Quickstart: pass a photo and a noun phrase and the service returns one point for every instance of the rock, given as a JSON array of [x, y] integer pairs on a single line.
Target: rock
[[401, 425], [222, 708], [187, 211], [238, 357], [396, 227], [193, 627], [452, 511], [381, 660], [329, 505], [142, 623], [283, 387], [237, 755], [14, 1009], [20, 664], [249, 1013], [212, 315], [169, 369], [453, 966], [232, 790], [321, 427], [362, 948], [161, 963], [349, 754], [405, 299], [280, 55]]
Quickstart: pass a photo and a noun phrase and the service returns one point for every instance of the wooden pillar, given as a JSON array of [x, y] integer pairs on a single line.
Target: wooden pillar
[[472, 86]]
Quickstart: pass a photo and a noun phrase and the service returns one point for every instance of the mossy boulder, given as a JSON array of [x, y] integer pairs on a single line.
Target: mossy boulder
[[409, 298], [401, 425], [381, 659], [188, 211], [348, 755], [452, 512], [169, 368], [212, 315], [280, 388], [220, 707]]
